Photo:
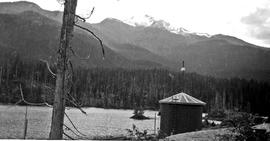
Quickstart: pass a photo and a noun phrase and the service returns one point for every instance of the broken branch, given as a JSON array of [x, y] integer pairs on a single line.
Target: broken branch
[[92, 33], [72, 131], [77, 106], [30, 103], [68, 136], [48, 66], [84, 19], [73, 125]]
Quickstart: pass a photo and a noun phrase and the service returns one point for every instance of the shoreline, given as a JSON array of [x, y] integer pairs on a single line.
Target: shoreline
[[12, 104]]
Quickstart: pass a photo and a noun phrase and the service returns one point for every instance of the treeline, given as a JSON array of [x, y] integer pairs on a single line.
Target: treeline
[[119, 88]]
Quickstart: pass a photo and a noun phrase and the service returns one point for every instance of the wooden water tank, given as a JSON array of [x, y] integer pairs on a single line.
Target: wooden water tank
[[180, 113]]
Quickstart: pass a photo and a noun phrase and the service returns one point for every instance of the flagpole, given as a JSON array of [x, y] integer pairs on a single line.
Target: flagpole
[[183, 69]]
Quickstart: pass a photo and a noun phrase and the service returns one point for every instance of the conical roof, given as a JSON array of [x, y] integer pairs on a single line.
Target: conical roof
[[182, 98]]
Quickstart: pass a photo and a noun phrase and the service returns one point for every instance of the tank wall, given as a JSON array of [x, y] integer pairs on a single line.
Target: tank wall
[[176, 118]]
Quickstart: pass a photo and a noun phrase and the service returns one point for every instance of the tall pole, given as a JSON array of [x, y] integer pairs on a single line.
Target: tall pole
[[25, 123], [183, 69], [155, 123], [56, 132]]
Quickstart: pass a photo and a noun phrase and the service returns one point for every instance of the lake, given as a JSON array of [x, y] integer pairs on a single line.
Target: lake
[[97, 122]]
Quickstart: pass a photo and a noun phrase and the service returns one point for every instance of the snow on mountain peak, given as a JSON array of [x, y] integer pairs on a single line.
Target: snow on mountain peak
[[149, 21]]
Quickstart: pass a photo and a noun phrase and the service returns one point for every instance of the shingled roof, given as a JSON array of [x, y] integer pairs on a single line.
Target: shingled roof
[[182, 98]]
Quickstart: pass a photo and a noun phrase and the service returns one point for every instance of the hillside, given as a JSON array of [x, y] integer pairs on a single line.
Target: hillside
[[22, 6], [36, 37], [218, 55], [33, 33]]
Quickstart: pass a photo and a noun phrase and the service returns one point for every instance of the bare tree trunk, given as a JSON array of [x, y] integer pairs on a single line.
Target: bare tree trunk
[[56, 131], [1, 75]]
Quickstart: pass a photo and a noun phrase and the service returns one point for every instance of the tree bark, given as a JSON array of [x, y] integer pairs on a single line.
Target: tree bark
[[1, 75], [56, 131]]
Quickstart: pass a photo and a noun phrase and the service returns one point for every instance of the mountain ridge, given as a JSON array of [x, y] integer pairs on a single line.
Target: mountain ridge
[[150, 21], [22, 6], [36, 37], [136, 46]]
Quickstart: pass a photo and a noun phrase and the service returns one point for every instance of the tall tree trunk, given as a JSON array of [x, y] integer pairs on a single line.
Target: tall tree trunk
[[1, 75], [56, 131]]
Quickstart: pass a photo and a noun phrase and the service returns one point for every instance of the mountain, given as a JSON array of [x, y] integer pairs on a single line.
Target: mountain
[[155, 38], [33, 32], [217, 55], [137, 53], [22, 6], [149, 21], [33, 36]]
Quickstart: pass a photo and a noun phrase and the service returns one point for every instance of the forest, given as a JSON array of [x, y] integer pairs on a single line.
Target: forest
[[129, 88]]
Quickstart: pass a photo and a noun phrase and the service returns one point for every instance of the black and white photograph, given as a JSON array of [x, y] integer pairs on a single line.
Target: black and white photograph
[[139, 70]]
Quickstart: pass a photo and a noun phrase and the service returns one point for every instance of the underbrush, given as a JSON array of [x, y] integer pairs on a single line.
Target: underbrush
[[240, 126]]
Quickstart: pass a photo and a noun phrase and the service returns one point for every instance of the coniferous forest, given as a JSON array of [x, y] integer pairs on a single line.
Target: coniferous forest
[[123, 88]]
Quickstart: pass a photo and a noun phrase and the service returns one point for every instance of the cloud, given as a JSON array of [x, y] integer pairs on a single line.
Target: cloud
[[258, 23]]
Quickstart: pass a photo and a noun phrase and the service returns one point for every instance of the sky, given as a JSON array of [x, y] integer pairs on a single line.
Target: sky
[[246, 19]]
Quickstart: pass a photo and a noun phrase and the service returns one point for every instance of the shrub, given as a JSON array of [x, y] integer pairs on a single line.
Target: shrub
[[138, 114], [136, 134], [240, 124], [217, 114]]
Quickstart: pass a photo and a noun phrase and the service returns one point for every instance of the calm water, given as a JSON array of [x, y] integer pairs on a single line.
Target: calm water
[[97, 122]]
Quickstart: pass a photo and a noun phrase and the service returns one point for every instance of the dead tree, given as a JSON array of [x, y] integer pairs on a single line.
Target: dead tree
[[65, 70], [57, 123], [63, 75]]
